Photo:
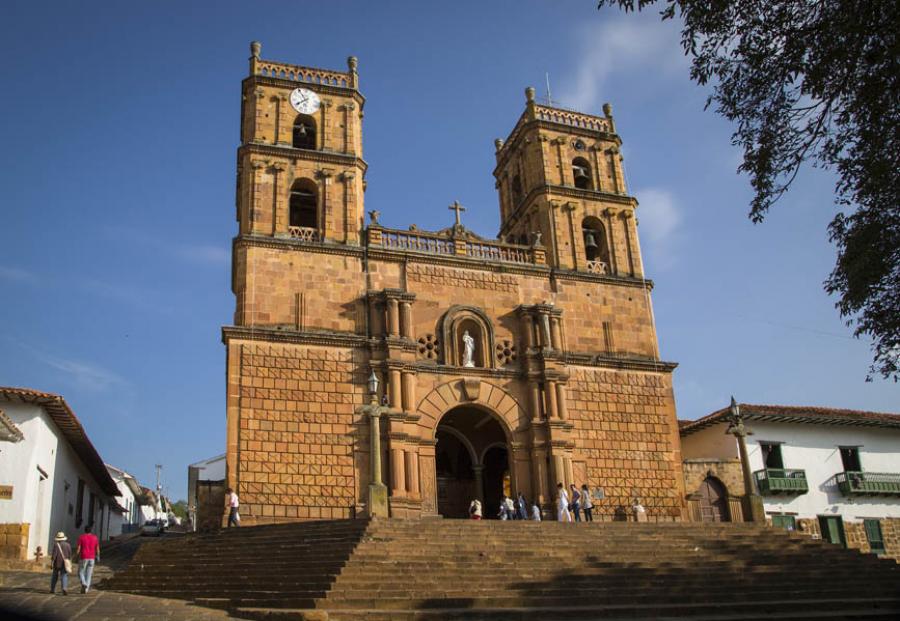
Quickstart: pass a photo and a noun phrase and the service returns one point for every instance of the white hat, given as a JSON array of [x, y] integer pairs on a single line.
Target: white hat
[[60, 536]]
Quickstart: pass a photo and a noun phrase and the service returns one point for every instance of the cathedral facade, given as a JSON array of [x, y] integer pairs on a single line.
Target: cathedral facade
[[505, 365]]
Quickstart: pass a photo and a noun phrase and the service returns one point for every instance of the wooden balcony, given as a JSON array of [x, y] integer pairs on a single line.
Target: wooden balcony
[[868, 483], [781, 481]]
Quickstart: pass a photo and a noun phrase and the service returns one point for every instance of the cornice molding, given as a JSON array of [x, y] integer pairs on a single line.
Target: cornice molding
[[274, 335], [329, 89], [290, 153], [288, 243], [606, 361]]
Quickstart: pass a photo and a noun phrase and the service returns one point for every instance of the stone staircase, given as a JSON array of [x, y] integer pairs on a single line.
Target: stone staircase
[[458, 569]]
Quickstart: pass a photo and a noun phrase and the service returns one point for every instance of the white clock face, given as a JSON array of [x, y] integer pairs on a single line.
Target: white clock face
[[304, 101]]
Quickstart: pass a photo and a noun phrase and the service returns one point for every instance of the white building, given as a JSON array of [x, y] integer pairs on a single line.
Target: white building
[[832, 473], [206, 485], [51, 477], [130, 518]]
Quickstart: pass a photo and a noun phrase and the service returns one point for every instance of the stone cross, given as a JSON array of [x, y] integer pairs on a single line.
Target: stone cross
[[457, 208]]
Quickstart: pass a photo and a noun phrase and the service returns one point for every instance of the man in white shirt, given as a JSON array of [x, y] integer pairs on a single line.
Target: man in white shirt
[[562, 504], [231, 501]]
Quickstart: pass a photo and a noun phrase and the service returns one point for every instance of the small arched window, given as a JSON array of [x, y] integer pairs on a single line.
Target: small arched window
[[516, 190], [304, 210], [596, 248], [304, 132], [581, 172]]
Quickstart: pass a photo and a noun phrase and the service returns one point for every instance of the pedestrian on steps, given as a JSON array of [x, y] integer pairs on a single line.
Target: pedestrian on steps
[[535, 512], [88, 553], [475, 509], [231, 501], [510, 507], [586, 503], [575, 505], [562, 504], [522, 505], [60, 563]]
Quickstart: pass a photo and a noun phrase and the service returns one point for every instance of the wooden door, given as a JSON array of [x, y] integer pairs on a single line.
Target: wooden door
[[713, 501], [832, 529]]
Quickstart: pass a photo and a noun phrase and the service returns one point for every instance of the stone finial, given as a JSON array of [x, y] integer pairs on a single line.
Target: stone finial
[[536, 239], [498, 143], [255, 48], [607, 109], [374, 216], [529, 94], [352, 62]]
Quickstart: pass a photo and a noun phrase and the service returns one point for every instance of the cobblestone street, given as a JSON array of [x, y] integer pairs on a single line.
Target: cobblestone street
[[26, 595]]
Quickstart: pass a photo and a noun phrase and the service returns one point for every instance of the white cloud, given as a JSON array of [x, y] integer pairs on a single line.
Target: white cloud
[[196, 254], [82, 374], [17, 274], [639, 45], [660, 219]]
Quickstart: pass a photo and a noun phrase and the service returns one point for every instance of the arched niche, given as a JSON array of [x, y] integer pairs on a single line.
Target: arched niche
[[457, 321]]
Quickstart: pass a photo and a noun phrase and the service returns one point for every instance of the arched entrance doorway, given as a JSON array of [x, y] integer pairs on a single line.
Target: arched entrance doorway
[[472, 461], [713, 501]]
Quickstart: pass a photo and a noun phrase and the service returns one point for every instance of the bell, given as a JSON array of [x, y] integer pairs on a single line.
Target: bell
[[589, 241], [580, 172], [302, 130]]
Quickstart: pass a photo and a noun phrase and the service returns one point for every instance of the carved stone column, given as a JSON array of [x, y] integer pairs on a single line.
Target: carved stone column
[[559, 470], [395, 391], [398, 472], [479, 482], [278, 213], [539, 475], [546, 341], [610, 213], [393, 317], [535, 400], [350, 234], [405, 319], [561, 406], [527, 327], [550, 394], [408, 391], [555, 334], [412, 473]]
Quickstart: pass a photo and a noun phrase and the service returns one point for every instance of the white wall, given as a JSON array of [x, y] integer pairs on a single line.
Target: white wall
[[814, 448], [19, 463], [45, 447]]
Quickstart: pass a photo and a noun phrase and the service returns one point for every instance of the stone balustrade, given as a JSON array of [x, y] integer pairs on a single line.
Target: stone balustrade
[[431, 243]]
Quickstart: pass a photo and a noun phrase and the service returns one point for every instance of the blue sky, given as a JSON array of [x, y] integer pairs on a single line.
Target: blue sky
[[120, 129]]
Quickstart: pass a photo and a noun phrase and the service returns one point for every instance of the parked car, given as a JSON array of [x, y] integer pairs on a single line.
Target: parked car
[[153, 527]]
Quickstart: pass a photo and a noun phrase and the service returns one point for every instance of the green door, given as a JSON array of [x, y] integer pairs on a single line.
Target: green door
[[832, 529], [873, 534]]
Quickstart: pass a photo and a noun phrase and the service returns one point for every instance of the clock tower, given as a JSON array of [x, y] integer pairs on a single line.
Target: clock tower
[[300, 166]]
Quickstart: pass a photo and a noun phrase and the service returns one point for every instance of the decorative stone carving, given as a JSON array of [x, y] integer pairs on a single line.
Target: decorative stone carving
[[428, 347], [471, 388], [506, 352]]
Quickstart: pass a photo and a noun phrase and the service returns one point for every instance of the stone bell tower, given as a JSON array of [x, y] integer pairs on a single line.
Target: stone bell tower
[[559, 174], [300, 166]]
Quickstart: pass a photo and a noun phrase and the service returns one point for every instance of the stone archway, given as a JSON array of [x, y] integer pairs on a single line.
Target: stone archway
[[476, 416], [471, 461]]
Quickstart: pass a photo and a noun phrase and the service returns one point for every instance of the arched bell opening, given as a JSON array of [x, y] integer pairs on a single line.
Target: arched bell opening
[[581, 173], [304, 133], [596, 246], [472, 461]]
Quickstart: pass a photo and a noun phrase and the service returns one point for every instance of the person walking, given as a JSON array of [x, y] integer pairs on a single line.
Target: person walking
[[60, 563], [475, 509], [510, 507], [535, 512], [522, 506], [586, 503], [562, 504], [88, 553], [575, 506], [231, 501]]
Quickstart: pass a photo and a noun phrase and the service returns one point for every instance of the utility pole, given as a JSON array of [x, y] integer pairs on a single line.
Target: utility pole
[[158, 489]]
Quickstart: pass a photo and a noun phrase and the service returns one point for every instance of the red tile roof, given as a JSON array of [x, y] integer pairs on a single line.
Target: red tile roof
[[795, 414], [71, 428]]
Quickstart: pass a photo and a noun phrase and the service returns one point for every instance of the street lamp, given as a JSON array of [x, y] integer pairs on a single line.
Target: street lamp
[[737, 429], [378, 503]]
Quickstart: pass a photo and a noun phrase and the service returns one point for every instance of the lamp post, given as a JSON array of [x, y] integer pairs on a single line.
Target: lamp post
[[736, 427], [378, 502]]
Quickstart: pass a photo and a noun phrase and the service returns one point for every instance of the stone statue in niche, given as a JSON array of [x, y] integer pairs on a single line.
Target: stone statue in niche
[[469, 352]]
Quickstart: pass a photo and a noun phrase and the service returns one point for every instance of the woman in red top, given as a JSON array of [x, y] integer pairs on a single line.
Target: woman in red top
[[89, 552]]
